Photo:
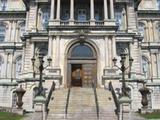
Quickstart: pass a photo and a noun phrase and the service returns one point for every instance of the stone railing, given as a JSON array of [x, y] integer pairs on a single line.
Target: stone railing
[[49, 95], [82, 23], [64, 23], [114, 97], [99, 23]]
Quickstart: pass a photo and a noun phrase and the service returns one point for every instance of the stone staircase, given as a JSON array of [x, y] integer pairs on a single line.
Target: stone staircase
[[57, 105], [106, 105], [81, 105]]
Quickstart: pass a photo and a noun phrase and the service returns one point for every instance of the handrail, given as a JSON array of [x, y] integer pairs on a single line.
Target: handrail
[[67, 103], [96, 99], [114, 97], [49, 95]]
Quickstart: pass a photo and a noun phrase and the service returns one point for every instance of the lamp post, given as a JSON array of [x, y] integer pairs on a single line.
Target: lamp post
[[123, 68], [40, 67]]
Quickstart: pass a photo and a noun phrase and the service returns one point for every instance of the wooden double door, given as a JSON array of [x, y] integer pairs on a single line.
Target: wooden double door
[[83, 75]]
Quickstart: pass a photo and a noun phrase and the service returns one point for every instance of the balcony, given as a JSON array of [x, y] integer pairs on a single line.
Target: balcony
[[109, 22]]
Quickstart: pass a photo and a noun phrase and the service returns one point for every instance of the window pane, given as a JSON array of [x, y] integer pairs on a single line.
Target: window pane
[[2, 33], [82, 51], [145, 67], [18, 66], [158, 4], [45, 17], [3, 4], [22, 29], [141, 29]]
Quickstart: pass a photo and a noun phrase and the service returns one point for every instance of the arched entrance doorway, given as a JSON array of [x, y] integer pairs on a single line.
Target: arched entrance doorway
[[82, 65]]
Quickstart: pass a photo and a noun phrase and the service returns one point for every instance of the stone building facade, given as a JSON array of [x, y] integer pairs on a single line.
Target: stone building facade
[[81, 37]]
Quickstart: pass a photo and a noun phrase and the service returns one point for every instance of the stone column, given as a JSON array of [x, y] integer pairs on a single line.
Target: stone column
[[106, 52], [153, 58], [150, 31], [71, 9], [52, 9], [13, 32], [6, 64], [153, 30], [27, 21], [105, 10], [110, 51], [92, 20], [112, 9], [58, 9], [158, 64], [9, 31], [114, 46], [91, 10], [145, 37], [12, 68], [71, 12], [17, 34], [57, 59]]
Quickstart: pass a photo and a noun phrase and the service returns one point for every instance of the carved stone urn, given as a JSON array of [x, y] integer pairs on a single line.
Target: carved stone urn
[[20, 92], [144, 92]]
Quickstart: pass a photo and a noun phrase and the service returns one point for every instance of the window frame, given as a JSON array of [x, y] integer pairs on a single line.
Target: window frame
[[2, 32]]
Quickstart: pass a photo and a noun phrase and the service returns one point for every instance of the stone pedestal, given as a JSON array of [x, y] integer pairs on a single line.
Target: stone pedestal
[[39, 106], [18, 111], [125, 108], [145, 110]]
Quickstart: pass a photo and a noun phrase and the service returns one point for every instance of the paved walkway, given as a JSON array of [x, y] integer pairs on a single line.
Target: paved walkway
[[37, 116], [33, 116]]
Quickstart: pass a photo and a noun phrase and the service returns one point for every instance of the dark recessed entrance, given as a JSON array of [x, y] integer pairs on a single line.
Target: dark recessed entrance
[[76, 75], [82, 66], [83, 75]]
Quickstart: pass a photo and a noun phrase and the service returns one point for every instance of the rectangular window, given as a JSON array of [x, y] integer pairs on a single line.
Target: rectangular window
[[118, 17], [82, 15], [2, 33], [3, 5], [158, 4], [65, 14]]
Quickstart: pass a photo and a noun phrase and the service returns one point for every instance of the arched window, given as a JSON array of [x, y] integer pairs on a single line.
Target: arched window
[[82, 50], [3, 4], [1, 66], [2, 32], [141, 28], [145, 66], [18, 66], [22, 29], [45, 17]]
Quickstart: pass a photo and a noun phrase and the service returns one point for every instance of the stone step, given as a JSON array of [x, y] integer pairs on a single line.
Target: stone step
[[82, 105]]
